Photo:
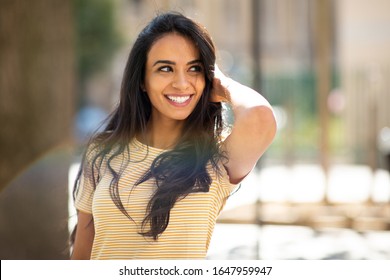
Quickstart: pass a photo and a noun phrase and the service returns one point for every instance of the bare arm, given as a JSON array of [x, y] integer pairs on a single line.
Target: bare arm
[[254, 126], [85, 234]]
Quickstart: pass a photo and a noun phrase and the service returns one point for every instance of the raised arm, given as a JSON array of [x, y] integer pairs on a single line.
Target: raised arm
[[254, 126], [85, 234]]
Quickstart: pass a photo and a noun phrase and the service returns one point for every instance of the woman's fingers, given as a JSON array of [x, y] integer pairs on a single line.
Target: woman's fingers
[[220, 92]]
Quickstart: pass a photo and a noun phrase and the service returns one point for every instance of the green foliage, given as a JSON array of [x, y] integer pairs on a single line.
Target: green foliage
[[295, 93], [97, 38], [292, 89]]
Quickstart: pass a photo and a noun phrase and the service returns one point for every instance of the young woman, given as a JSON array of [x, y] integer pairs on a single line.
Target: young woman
[[153, 183]]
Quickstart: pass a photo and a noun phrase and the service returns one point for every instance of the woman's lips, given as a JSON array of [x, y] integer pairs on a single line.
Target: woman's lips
[[179, 100]]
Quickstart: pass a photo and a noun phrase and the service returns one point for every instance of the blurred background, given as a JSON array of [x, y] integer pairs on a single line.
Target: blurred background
[[322, 190]]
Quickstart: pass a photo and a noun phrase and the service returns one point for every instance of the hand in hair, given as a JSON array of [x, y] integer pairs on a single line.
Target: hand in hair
[[220, 92]]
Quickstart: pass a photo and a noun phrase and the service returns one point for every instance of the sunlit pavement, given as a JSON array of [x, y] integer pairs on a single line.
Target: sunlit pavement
[[300, 183], [293, 242], [304, 183]]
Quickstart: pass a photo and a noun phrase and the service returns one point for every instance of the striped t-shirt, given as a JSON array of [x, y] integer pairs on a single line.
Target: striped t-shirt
[[191, 223]]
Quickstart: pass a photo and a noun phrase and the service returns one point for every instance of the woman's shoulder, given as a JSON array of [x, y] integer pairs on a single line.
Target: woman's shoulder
[[219, 175]]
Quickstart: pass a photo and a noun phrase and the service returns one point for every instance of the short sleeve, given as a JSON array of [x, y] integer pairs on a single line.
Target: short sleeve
[[225, 180], [86, 188]]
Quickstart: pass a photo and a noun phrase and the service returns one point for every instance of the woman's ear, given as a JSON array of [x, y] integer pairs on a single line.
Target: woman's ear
[[143, 87]]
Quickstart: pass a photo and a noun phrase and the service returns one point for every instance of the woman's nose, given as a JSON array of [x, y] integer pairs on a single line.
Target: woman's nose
[[180, 81]]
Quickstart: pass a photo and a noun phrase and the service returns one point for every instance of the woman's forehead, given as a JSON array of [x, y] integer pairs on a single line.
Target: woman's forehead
[[175, 47]]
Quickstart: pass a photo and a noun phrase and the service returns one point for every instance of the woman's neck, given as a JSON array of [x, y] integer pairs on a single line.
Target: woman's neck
[[163, 135]]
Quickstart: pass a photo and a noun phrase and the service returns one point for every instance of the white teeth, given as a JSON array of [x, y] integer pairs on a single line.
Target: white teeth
[[179, 99]]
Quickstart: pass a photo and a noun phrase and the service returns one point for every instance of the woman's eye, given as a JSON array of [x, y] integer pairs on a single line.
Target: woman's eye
[[165, 69], [196, 68]]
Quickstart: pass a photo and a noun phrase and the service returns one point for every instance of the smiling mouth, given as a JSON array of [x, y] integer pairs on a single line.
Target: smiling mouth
[[179, 99]]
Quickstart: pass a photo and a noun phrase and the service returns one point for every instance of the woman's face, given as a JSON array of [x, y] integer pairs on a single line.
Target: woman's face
[[174, 77]]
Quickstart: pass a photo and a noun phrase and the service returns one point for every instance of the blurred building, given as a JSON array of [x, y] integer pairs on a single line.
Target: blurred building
[[271, 45], [364, 47]]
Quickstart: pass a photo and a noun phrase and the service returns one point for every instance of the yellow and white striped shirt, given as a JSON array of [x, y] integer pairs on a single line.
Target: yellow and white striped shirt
[[191, 222]]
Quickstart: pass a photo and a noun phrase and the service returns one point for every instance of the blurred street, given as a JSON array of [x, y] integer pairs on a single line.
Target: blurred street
[[297, 242], [327, 237]]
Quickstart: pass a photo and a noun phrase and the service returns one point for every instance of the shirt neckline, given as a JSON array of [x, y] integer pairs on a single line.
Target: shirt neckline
[[138, 144]]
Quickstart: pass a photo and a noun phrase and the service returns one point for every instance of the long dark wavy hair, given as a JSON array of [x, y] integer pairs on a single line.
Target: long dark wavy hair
[[176, 172]]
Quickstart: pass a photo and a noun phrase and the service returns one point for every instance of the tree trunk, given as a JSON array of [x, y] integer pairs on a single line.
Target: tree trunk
[[36, 111]]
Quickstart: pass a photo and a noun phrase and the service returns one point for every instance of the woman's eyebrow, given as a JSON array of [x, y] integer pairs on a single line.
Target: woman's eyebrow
[[164, 62], [195, 61], [174, 63]]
